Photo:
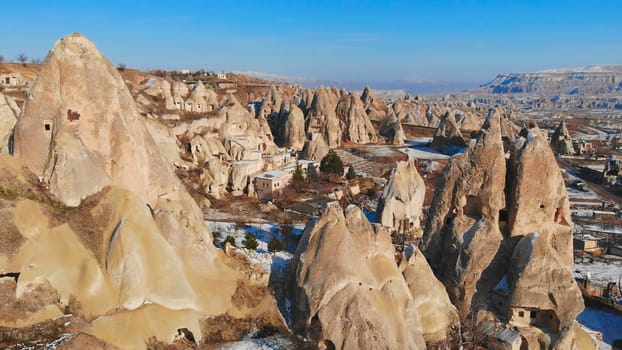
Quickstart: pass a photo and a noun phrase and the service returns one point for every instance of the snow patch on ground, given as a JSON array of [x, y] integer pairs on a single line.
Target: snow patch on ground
[[424, 153], [273, 342], [601, 272]]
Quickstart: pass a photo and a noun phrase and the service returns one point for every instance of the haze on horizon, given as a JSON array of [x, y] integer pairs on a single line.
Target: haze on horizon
[[371, 41]]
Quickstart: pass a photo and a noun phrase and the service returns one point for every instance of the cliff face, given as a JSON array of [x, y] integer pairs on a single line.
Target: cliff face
[[97, 218], [402, 199], [590, 80], [349, 292], [498, 218]]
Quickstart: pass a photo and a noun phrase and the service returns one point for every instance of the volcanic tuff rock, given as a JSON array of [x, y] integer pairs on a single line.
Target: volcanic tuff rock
[[83, 132], [561, 142], [402, 199], [148, 263], [355, 123], [463, 240], [8, 117], [322, 118], [483, 228], [292, 131], [540, 275], [447, 134], [350, 293], [392, 129]]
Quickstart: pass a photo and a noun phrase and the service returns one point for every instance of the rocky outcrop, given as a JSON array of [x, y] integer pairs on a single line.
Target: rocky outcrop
[[435, 311], [81, 140], [540, 275], [512, 236], [463, 240], [561, 142], [350, 294], [148, 266], [9, 111], [293, 132], [355, 123], [392, 129], [322, 118], [400, 204], [315, 148], [447, 134], [590, 80]]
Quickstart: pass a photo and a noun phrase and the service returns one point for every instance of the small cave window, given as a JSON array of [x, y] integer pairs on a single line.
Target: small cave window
[[47, 126], [542, 206], [521, 314], [72, 115]]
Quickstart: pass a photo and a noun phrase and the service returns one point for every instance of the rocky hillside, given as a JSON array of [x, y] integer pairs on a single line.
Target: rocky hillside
[[587, 81]]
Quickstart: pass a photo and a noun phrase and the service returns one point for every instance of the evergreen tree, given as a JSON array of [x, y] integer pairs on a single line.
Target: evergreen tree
[[332, 164], [250, 242], [298, 176], [229, 239], [351, 174], [275, 245]]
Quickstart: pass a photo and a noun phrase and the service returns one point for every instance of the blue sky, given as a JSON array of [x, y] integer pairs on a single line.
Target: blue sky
[[464, 41]]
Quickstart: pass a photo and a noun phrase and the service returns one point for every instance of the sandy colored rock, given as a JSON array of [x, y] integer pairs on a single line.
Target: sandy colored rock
[[436, 313], [142, 260], [447, 134], [540, 275], [561, 142], [355, 123], [82, 139], [293, 131], [478, 240], [349, 290], [350, 293], [463, 240], [392, 129], [402, 199], [322, 118], [315, 149], [9, 111]]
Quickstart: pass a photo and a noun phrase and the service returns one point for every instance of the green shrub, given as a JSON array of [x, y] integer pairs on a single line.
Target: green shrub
[[275, 245], [229, 239], [332, 164], [250, 242], [351, 174], [298, 176]]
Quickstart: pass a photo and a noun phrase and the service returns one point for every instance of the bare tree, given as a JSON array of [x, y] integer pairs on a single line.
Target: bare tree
[[1, 58], [22, 58], [36, 60], [121, 67]]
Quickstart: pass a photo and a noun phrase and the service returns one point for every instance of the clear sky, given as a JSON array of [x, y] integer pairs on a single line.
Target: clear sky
[[464, 41]]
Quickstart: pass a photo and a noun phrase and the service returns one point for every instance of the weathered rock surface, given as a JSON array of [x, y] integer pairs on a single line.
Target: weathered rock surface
[[561, 142], [392, 129], [540, 275], [293, 130], [483, 228], [400, 204], [463, 240], [9, 111], [315, 149], [355, 123], [350, 293], [435, 311], [447, 134], [141, 262]]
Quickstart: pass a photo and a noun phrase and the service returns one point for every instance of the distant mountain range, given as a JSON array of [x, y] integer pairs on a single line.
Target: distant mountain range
[[413, 87], [595, 80], [581, 81]]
